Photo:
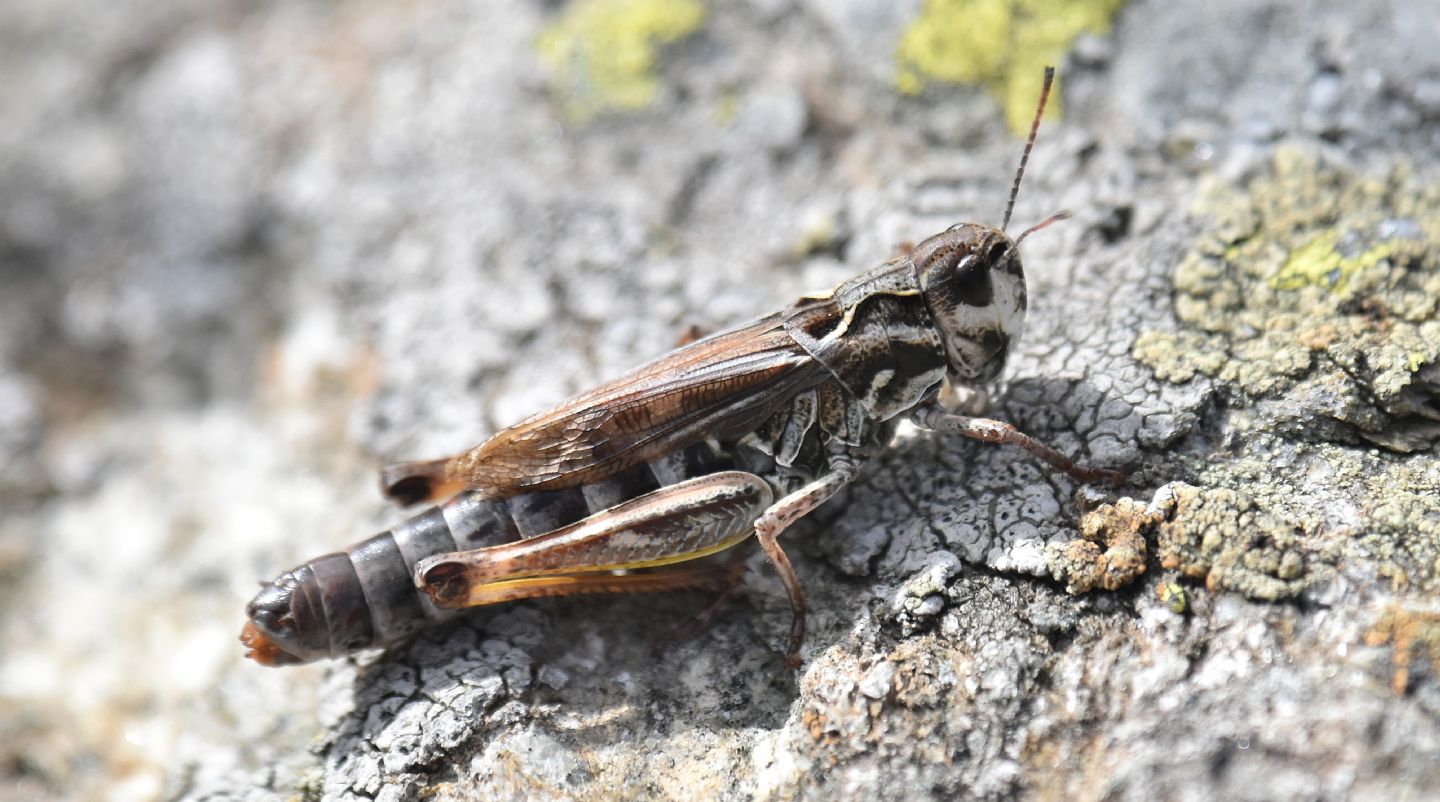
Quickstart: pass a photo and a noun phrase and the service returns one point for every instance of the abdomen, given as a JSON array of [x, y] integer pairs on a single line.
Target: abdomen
[[365, 596]]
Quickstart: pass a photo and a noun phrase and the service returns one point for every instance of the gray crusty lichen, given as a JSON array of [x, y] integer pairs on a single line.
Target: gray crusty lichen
[[1222, 536], [1312, 302], [1309, 308]]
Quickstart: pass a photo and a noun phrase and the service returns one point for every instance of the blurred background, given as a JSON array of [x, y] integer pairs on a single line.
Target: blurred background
[[251, 250]]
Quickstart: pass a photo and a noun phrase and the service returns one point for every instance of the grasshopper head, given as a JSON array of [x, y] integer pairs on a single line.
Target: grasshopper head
[[974, 286], [972, 281]]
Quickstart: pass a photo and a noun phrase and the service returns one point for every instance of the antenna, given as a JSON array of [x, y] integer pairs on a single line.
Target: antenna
[[1054, 218], [1029, 144]]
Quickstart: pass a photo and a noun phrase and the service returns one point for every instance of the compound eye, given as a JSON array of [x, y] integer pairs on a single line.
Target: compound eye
[[971, 282]]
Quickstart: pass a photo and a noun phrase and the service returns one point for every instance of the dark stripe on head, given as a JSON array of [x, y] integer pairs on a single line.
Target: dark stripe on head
[[991, 340], [1013, 265]]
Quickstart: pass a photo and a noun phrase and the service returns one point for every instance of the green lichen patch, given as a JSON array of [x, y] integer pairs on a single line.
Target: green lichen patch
[[1221, 536], [1315, 290], [1370, 513], [1402, 514], [603, 53], [1002, 44]]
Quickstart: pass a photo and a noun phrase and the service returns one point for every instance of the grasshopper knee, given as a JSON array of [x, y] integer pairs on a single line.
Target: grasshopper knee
[[409, 483]]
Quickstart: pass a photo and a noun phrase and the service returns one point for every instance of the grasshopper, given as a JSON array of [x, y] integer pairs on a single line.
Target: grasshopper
[[628, 487]]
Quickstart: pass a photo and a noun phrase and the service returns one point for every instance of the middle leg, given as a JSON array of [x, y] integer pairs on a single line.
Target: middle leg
[[777, 519]]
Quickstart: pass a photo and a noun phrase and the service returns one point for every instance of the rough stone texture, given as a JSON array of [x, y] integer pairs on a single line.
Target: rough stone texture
[[249, 251]]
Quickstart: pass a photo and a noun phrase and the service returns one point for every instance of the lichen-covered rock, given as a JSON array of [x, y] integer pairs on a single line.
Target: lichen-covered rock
[[1112, 548], [1315, 301], [250, 251], [1219, 536]]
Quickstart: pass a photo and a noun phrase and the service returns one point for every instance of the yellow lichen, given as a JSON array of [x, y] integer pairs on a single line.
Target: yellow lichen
[[1172, 595], [1319, 263], [602, 53], [1002, 44]]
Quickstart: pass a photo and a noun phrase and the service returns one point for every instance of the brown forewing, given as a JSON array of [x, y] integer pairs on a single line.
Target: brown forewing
[[722, 386]]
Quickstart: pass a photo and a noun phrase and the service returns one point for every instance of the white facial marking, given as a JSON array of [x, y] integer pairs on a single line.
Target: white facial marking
[[1006, 291]]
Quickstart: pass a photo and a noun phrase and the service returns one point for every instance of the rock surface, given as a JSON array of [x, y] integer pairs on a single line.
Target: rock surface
[[248, 252]]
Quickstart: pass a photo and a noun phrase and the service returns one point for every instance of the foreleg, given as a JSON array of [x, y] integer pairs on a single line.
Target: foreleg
[[994, 431]]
